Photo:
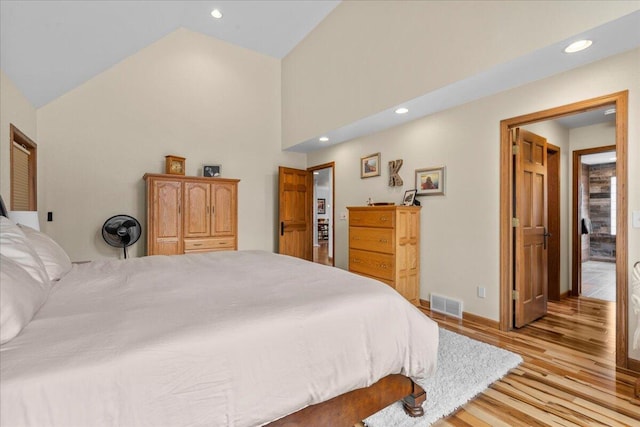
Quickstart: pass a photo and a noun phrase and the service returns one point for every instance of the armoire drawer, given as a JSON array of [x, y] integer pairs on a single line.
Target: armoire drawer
[[372, 264], [208, 244], [371, 239], [376, 218]]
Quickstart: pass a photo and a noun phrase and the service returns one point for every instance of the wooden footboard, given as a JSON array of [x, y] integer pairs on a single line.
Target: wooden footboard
[[354, 406]]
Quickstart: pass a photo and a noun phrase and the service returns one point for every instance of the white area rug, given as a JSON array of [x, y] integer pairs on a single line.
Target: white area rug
[[465, 368]]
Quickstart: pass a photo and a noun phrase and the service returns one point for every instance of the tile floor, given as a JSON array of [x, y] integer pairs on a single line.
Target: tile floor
[[599, 280]]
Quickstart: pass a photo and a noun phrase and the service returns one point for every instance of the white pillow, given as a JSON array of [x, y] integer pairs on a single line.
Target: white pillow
[[15, 246], [55, 259], [20, 298]]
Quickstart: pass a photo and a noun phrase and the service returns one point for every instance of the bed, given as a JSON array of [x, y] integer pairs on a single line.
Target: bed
[[244, 338]]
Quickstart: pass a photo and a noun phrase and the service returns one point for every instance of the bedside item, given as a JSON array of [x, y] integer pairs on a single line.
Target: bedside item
[[384, 243], [212, 171], [174, 165], [121, 231], [191, 214]]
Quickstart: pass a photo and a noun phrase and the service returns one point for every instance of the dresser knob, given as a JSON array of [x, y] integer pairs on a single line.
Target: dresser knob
[[383, 240], [383, 218]]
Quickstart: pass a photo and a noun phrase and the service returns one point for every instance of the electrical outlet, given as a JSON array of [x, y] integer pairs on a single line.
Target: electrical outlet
[[635, 221], [482, 292]]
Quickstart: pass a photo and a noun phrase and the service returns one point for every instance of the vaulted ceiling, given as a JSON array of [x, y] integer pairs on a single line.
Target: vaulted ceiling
[[49, 47]]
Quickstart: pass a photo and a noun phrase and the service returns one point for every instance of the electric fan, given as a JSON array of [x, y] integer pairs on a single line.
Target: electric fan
[[121, 231]]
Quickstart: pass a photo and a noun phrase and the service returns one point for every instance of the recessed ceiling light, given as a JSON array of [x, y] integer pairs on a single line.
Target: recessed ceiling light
[[402, 110], [216, 13], [609, 111], [578, 46], [323, 139]]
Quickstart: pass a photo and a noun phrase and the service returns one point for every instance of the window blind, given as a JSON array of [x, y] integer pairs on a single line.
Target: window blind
[[20, 181]]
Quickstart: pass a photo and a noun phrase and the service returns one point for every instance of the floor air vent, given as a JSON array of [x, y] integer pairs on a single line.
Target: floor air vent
[[445, 305]]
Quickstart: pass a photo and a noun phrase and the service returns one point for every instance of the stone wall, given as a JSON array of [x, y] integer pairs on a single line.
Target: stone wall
[[602, 244]]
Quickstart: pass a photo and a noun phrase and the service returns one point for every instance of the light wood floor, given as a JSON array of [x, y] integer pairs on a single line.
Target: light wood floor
[[568, 377], [321, 253]]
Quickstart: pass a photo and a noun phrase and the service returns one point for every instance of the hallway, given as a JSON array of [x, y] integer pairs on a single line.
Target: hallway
[[599, 280]]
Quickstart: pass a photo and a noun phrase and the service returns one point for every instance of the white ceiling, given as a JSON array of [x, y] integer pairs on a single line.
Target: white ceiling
[[49, 47], [599, 158]]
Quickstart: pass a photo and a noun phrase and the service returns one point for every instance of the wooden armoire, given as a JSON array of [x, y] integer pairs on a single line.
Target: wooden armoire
[[187, 214], [384, 243]]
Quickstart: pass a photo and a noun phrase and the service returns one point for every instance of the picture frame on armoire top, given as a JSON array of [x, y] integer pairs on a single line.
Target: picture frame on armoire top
[[211, 171], [174, 165]]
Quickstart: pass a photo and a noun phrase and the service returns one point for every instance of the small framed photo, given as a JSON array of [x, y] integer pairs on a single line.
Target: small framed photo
[[430, 181], [322, 206], [409, 197], [211, 171], [370, 166]]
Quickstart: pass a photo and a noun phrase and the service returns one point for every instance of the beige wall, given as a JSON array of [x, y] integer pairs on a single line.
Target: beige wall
[[17, 110], [187, 94], [460, 232], [367, 56]]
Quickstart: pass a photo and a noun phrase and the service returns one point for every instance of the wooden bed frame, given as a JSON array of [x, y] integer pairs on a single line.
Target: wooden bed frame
[[352, 407]]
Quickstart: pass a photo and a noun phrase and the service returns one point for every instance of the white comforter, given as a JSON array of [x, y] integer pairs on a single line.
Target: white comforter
[[218, 339]]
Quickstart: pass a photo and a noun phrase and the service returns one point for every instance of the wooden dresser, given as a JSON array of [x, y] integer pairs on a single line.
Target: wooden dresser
[[191, 214], [384, 244]]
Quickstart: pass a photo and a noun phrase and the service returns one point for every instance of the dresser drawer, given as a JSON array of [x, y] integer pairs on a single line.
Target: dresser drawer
[[208, 244], [372, 264], [373, 218], [371, 239]]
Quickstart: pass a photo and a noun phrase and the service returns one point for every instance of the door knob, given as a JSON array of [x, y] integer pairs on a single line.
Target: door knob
[[545, 235]]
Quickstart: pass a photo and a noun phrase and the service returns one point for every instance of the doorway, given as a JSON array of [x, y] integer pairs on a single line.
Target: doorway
[[619, 101], [323, 214], [595, 188]]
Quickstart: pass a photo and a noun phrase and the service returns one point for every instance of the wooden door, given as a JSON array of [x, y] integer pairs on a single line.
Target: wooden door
[[295, 192], [165, 237], [530, 207], [197, 202], [223, 209]]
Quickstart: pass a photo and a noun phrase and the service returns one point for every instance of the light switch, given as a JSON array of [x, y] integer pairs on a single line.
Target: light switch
[[635, 219]]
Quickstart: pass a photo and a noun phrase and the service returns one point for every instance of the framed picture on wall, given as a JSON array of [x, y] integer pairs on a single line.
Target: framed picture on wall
[[370, 166], [430, 181], [322, 206]]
